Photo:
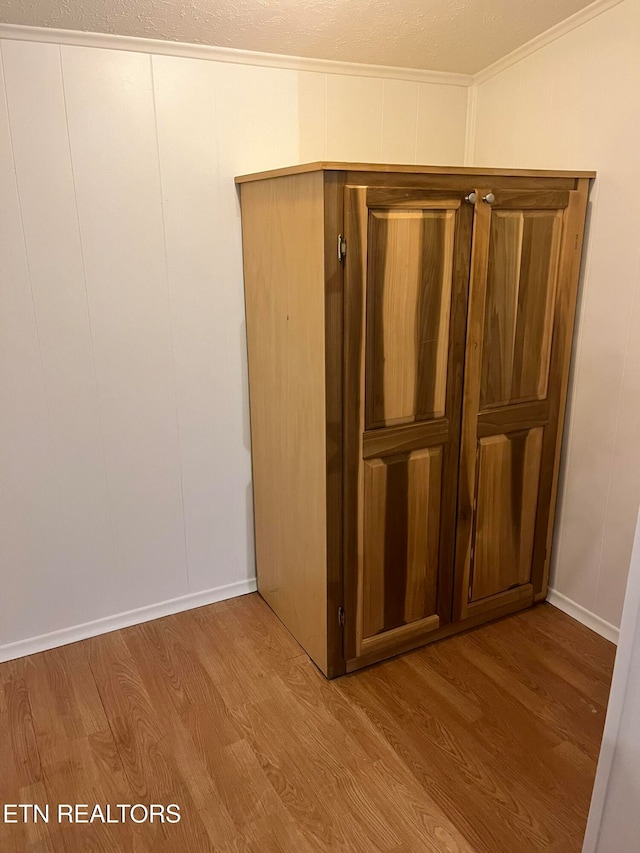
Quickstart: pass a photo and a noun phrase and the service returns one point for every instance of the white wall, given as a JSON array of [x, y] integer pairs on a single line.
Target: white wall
[[125, 470], [124, 462], [574, 104]]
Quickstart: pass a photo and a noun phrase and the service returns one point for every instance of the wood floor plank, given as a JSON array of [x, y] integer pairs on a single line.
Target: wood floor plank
[[375, 765], [510, 741], [140, 733], [26, 757], [576, 645], [202, 735], [448, 752], [235, 665], [38, 835], [484, 743], [567, 668], [560, 706], [13, 838], [578, 640]]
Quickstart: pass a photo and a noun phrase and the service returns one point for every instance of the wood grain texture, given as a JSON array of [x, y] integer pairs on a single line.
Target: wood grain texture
[[409, 198], [423, 503], [401, 531], [462, 183], [514, 417], [406, 282], [564, 319], [507, 499], [554, 199], [374, 557], [484, 744], [354, 362], [466, 171], [408, 310], [518, 322], [379, 442], [334, 348], [501, 311], [283, 247], [523, 286], [470, 405]]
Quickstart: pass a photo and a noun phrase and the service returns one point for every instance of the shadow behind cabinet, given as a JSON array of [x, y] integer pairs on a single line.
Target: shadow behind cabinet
[[409, 334]]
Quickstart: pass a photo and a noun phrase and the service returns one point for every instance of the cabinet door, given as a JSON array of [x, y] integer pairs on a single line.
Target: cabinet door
[[406, 283], [521, 307]]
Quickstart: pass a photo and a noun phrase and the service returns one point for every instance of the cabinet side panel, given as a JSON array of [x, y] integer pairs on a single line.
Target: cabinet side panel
[[282, 228]]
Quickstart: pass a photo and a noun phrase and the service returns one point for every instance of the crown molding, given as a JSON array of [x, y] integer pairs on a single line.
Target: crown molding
[[545, 38], [108, 41]]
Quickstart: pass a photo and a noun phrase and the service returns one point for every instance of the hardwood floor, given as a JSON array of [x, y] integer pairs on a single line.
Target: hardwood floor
[[486, 742]]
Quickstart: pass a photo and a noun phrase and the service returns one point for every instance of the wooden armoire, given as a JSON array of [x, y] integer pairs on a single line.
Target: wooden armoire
[[409, 336]]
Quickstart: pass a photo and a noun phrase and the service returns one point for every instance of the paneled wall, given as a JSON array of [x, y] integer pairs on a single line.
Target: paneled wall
[[124, 445], [573, 104]]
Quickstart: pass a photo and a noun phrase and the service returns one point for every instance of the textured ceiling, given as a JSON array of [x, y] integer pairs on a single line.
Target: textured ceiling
[[440, 35]]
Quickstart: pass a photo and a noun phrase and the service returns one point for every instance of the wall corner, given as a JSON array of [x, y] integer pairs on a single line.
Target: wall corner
[[470, 128]]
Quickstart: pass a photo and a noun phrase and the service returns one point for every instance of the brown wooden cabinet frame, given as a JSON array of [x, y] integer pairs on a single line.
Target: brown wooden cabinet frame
[[306, 331]]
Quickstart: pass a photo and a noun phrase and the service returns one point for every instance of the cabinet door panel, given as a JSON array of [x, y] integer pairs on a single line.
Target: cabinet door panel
[[406, 285], [408, 300], [401, 537], [507, 498], [521, 281], [521, 303]]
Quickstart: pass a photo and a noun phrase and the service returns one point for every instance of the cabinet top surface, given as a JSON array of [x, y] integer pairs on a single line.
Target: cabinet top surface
[[340, 166]]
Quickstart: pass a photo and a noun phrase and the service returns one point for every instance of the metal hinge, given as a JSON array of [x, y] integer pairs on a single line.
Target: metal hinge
[[341, 616], [342, 247]]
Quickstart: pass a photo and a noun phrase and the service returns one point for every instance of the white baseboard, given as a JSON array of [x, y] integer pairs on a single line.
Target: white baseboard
[[581, 614], [32, 645]]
